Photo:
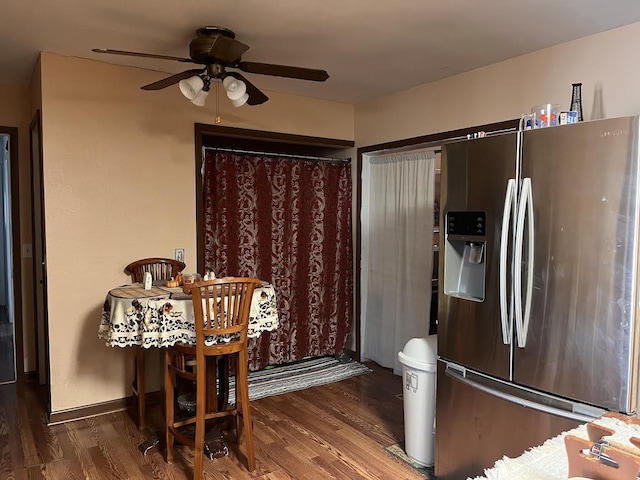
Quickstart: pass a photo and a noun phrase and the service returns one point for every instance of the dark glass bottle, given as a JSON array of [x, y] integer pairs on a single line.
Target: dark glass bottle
[[576, 100]]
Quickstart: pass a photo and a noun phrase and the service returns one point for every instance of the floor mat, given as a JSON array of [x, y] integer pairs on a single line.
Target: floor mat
[[298, 376]]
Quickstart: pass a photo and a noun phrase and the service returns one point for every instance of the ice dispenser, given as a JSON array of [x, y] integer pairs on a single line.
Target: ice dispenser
[[464, 255]]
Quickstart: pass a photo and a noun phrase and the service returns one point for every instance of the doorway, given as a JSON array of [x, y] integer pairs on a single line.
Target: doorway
[[398, 192], [7, 319], [431, 141], [11, 362]]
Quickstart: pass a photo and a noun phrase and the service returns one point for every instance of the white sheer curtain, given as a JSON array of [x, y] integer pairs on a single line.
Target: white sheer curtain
[[397, 253]]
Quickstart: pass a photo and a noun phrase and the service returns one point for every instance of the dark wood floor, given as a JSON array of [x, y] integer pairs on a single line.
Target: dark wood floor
[[334, 431]]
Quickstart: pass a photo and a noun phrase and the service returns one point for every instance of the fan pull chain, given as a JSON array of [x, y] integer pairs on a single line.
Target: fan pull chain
[[218, 119]]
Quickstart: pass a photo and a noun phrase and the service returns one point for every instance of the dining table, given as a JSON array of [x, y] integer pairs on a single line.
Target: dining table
[[162, 316]]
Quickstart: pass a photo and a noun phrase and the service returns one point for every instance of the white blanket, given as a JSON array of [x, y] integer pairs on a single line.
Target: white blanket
[[549, 460]]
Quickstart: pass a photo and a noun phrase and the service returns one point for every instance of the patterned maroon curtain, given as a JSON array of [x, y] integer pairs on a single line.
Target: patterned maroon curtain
[[286, 221]]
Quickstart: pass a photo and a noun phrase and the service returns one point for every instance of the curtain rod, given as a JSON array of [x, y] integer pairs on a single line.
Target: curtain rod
[[406, 151], [275, 154], [435, 145]]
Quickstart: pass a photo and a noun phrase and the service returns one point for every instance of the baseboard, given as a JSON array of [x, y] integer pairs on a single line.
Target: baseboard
[[87, 411]]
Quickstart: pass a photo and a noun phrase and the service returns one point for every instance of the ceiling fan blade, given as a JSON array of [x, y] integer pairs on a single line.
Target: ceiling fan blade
[[256, 97], [139, 54], [284, 71], [173, 79]]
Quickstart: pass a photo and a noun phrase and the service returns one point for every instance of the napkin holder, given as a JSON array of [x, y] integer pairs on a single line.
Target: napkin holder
[[600, 459]]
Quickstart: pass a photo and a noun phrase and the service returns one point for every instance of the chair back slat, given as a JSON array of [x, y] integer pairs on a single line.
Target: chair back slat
[[159, 268], [222, 306]]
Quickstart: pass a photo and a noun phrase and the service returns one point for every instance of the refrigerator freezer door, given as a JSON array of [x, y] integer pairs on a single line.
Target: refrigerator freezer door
[[474, 428], [581, 333], [475, 175]]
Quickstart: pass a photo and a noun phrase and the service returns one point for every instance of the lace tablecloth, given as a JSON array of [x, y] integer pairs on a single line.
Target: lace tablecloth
[[160, 317]]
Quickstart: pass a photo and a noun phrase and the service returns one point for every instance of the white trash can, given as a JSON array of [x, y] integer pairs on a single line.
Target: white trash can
[[419, 359]]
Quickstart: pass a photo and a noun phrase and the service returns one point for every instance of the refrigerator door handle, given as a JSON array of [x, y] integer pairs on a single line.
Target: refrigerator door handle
[[525, 210], [506, 314], [524, 402]]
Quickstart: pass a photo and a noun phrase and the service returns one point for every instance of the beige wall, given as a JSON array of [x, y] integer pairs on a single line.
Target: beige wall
[[608, 63], [14, 112], [120, 185]]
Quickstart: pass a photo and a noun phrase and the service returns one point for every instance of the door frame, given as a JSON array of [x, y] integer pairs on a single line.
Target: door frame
[[35, 148], [16, 249]]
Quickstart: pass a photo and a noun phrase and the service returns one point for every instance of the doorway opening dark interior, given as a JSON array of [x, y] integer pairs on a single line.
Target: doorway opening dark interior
[[11, 328]]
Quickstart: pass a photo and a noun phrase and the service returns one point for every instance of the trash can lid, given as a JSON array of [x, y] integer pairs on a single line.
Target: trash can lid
[[420, 353]]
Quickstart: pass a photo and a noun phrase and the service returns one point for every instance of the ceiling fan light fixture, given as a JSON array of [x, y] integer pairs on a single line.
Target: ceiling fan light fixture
[[200, 98], [240, 101], [191, 87], [227, 81], [235, 88]]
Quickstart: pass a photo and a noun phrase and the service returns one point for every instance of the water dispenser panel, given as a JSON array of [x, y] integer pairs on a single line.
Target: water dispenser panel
[[464, 255], [468, 224]]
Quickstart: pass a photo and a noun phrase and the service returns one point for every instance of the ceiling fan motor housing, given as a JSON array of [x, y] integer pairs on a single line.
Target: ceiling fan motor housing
[[216, 45]]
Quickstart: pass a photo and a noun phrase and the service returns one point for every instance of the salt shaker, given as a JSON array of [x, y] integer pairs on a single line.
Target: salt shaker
[[147, 281]]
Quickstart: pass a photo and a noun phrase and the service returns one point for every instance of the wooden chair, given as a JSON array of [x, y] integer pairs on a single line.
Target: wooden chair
[[221, 307], [160, 269]]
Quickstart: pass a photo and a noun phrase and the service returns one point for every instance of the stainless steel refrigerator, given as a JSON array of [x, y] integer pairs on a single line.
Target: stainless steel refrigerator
[[537, 318]]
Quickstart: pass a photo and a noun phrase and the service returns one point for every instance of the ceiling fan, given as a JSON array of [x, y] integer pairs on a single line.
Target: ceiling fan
[[216, 49]]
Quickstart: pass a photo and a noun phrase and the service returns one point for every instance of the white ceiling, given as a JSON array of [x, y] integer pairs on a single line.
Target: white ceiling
[[368, 47]]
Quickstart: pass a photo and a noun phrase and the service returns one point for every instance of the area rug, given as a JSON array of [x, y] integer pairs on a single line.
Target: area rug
[[298, 376], [397, 449]]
